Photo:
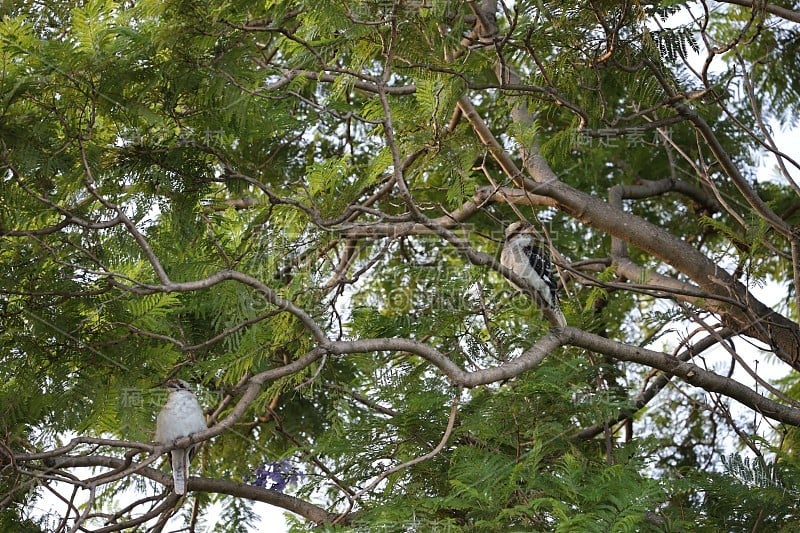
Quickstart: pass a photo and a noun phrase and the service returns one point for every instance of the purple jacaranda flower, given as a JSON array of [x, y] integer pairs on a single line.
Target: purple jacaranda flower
[[274, 475]]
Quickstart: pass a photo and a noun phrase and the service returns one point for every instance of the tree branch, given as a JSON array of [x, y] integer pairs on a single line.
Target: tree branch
[[776, 10], [307, 510], [688, 372]]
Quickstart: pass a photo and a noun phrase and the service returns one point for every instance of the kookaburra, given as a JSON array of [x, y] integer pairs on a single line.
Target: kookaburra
[[180, 417], [525, 255]]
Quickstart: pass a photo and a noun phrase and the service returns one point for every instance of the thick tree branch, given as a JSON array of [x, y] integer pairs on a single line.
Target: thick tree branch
[[760, 321], [483, 195], [751, 317], [773, 9], [645, 396], [534, 355], [688, 372], [218, 486]]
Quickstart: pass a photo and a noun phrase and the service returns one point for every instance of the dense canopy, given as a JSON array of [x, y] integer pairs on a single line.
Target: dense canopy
[[299, 207]]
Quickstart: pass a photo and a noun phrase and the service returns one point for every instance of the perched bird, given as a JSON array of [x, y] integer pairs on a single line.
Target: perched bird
[[180, 417], [527, 257]]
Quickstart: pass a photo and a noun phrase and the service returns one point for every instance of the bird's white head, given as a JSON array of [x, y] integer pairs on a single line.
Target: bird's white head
[[175, 385], [517, 228]]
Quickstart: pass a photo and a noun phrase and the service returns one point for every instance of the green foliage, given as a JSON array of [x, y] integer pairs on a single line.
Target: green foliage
[[749, 494], [674, 44], [150, 149], [764, 44], [759, 473]]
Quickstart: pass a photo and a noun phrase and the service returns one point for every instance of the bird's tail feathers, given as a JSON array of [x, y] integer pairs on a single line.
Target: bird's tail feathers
[[180, 470], [555, 317]]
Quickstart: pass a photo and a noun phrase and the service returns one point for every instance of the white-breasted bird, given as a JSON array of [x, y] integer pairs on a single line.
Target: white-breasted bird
[[525, 255], [180, 417]]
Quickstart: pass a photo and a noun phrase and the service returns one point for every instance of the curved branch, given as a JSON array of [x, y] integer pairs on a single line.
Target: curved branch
[[752, 317], [530, 359], [167, 505], [218, 486], [231, 275], [688, 372], [72, 444], [451, 422], [483, 195], [534, 355], [773, 9], [644, 397], [648, 188]]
